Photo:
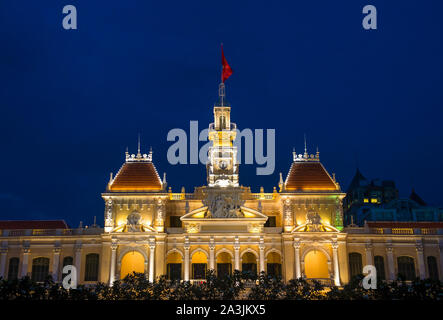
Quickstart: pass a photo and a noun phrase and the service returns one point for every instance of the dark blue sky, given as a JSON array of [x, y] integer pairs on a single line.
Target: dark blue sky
[[71, 101]]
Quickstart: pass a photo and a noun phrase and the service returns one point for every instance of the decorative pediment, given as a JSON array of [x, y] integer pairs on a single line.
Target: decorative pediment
[[134, 223], [245, 213], [314, 224], [223, 211], [223, 204]]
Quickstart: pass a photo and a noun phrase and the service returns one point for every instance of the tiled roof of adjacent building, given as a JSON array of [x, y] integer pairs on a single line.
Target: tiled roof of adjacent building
[[30, 224], [138, 173], [309, 176]]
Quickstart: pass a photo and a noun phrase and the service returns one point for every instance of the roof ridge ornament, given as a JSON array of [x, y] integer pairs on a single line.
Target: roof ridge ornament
[[139, 157], [305, 157]]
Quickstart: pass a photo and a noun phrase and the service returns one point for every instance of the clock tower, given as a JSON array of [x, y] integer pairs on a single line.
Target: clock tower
[[222, 166]]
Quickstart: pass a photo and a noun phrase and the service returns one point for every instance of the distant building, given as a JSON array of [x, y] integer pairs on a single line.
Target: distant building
[[377, 200]]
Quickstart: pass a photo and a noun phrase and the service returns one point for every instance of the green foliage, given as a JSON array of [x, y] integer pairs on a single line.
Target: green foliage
[[300, 289], [267, 288], [236, 286]]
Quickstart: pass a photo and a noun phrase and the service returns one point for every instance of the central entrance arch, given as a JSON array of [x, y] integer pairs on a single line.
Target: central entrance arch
[[132, 261], [316, 265]]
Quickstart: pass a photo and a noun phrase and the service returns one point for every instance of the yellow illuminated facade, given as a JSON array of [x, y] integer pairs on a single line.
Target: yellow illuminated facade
[[294, 231]]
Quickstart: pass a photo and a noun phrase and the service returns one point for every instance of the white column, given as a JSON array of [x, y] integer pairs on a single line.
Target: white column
[[421, 260], [391, 266], [113, 262], [261, 246], [78, 260], [151, 259], [4, 253], [186, 261], [369, 254], [297, 258], [336, 266], [236, 254], [211, 256], [26, 252], [55, 263]]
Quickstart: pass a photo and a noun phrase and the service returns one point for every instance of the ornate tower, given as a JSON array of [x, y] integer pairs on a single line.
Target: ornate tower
[[222, 166]]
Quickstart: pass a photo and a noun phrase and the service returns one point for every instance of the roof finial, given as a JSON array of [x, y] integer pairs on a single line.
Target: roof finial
[[164, 183], [138, 149], [281, 183], [294, 154], [306, 149]]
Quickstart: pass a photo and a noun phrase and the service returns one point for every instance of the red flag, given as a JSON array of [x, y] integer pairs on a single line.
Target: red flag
[[226, 69]]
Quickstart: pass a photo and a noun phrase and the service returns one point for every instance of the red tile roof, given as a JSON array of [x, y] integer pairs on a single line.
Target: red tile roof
[[30, 224], [397, 224], [136, 176], [308, 176]]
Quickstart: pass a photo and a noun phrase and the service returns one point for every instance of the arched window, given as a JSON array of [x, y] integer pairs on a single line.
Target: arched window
[[91, 269], [380, 267], [274, 264], [199, 265], [174, 266], [40, 269], [355, 264], [13, 268], [432, 268], [249, 263], [224, 264], [406, 268]]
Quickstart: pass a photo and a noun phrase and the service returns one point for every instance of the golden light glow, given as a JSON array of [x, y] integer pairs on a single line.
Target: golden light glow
[[132, 262], [312, 189], [316, 265], [249, 257], [174, 257], [273, 257], [224, 257], [365, 200], [248, 214], [200, 214], [199, 257], [373, 200]]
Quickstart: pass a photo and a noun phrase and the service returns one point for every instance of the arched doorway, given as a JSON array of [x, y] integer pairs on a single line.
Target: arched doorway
[[273, 264], [174, 266], [133, 261], [316, 265], [249, 263], [40, 269], [199, 265], [224, 264], [406, 268]]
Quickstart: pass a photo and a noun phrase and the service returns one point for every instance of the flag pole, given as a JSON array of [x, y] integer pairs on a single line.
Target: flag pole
[[222, 84]]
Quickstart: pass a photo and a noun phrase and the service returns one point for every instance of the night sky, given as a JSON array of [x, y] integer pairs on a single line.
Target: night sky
[[71, 101]]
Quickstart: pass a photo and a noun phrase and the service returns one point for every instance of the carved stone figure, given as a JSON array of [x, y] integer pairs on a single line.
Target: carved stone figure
[[133, 222], [313, 221], [223, 205]]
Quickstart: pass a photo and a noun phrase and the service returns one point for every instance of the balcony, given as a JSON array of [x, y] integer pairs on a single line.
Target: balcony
[[394, 231]]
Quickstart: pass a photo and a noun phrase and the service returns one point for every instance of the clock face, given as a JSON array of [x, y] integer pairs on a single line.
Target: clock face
[[223, 165]]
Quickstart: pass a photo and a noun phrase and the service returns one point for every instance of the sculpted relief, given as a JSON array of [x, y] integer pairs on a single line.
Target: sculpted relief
[[224, 205]]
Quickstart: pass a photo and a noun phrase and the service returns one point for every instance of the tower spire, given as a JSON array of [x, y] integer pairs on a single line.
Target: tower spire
[[306, 149]]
